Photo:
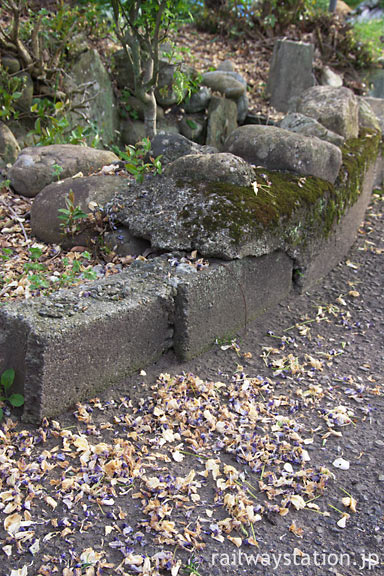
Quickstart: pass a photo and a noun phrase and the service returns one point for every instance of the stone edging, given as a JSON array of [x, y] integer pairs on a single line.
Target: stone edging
[[76, 342]]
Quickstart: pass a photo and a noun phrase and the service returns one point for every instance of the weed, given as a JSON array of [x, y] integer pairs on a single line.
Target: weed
[[6, 383], [6, 254], [134, 158], [52, 125], [128, 109], [192, 567], [11, 88], [56, 171], [72, 217], [40, 277]]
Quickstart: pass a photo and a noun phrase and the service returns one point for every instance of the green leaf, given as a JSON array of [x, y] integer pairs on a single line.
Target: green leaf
[[16, 400], [1, 414], [7, 379]]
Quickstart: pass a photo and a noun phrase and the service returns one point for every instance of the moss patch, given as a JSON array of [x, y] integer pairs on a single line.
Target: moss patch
[[358, 155], [283, 201]]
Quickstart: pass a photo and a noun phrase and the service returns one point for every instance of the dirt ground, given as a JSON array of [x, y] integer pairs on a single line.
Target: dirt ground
[[264, 456]]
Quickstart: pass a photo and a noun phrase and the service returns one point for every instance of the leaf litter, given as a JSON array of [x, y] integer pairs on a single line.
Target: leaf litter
[[197, 460]]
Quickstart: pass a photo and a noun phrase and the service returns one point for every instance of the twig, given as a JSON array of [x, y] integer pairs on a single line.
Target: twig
[[17, 218]]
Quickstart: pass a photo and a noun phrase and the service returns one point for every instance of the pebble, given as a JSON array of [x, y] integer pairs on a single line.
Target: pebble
[[381, 477]]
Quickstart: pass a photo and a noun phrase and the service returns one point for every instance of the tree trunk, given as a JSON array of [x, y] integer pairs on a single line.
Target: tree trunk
[[150, 114]]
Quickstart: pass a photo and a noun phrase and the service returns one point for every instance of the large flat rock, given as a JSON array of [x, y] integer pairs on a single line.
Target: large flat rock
[[218, 219]]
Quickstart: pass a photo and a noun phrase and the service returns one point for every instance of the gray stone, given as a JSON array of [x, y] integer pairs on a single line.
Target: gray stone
[[330, 78], [44, 212], [168, 125], [36, 167], [290, 72], [190, 216], [242, 100], [367, 117], [377, 105], [221, 167], [198, 101], [233, 74], [123, 243], [193, 126], [172, 146], [10, 63], [307, 126], [79, 45], [222, 121], [9, 148], [96, 96], [221, 300], [21, 131], [24, 103], [123, 71], [242, 108], [278, 149], [376, 84], [226, 66], [223, 220], [225, 83], [69, 346], [336, 108], [132, 131], [133, 109]]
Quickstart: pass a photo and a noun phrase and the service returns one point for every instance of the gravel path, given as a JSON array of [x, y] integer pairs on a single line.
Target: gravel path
[[264, 456]]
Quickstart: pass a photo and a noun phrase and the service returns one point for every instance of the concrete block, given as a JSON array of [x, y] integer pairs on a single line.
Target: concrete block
[[71, 345], [323, 254], [224, 298]]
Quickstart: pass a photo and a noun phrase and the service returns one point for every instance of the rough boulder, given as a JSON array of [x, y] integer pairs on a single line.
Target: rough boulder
[[278, 149]]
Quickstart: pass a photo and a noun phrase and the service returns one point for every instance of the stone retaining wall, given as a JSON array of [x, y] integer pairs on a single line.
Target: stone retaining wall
[[72, 344]]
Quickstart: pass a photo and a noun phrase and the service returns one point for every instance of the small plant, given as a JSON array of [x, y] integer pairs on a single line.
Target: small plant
[[134, 158], [52, 125], [10, 91], [6, 254], [128, 109], [72, 217], [192, 567], [6, 382], [57, 170]]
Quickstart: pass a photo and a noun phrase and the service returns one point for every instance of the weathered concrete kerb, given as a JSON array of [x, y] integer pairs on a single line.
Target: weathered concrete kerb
[[70, 345]]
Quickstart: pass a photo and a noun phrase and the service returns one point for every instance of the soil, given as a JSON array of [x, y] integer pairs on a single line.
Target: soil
[[245, 435]]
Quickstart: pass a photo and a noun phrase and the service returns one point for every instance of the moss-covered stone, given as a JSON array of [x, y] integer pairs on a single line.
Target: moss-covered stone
[[277, 196], [279, 210]]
